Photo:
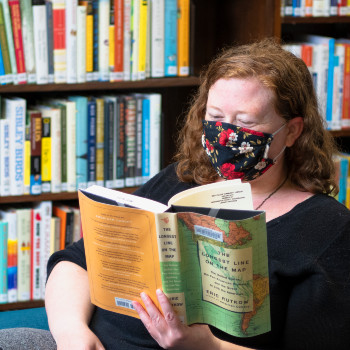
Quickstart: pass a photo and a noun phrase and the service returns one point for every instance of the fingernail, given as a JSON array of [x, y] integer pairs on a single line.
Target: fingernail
[[159, 291]]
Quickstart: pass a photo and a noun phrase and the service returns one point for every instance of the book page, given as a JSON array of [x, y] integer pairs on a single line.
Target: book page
[[121, 254], [231, 194]]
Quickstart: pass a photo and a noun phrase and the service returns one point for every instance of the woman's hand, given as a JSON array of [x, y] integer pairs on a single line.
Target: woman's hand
[[166, 328]]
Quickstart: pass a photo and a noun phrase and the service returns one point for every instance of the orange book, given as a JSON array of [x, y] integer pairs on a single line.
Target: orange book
[[308, 8], [183, 37], [67, 218], [118, 40], [306, 55]]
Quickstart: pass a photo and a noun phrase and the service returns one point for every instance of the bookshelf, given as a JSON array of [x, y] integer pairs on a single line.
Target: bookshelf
[[214, 24]]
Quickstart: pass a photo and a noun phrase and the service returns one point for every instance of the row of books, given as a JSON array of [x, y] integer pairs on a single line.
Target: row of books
[[28, 236], [315, 8], [329, 62], [58, 41], [61, 145], [342, 163]]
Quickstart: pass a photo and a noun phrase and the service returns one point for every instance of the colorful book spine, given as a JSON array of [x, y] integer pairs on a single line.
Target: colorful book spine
[[120, 178], [23, 256], [2, 70], [117, 74], [15, 13], [346, 89], [308, 8], [35, 158], [40, 41], [3, 262], [35, 282], [59, 40], [103, 40], [81, 44], [49, 20], [127, 40], [145, 139], [55, 234], [296, 8], [144, 22], [27, 152], [15, 110], [183, 37], [46, 155], [135, 38], [108, 143], [170, 37], [81, 140], [71, 41], [130, 141], [99, 141], [10, 43], [157, 41], [5, 53], [4, 157], [28, 40], [111, 39], [139, 140], [91, 142]]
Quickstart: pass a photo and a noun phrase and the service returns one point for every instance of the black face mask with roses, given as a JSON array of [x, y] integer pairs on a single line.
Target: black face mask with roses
[[236, 152]]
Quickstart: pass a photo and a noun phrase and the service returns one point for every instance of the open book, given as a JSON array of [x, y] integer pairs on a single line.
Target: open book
[[207, 250]]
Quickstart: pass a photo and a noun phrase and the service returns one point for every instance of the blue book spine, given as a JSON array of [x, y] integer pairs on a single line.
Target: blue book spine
[[170, 35], [2, 69], [296, 8], [91, 142], [81, 140], [3, 262], [343, 176], [330, 76], [145, 139]]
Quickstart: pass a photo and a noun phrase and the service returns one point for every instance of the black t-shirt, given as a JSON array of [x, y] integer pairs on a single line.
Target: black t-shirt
[[309, 268]]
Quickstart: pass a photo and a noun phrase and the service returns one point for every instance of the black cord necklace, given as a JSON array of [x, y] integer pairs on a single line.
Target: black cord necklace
[[272, 193]]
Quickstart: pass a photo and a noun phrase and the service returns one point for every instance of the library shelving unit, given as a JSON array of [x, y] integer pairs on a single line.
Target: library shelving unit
[[214, 25]]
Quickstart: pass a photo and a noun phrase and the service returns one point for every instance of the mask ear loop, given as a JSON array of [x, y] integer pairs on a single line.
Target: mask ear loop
[[268, 146], [278, 155]]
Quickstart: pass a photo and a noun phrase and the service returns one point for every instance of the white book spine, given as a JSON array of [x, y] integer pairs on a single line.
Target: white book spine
[[56, 159], [157, 41], [103, 40], [40, 44], [338, 81], [4, 157], [148, 39], [71, 147], [135, 35], [71, 41], [155, 133], [127, 39], [81, 44], [35, 289], [15, 111]]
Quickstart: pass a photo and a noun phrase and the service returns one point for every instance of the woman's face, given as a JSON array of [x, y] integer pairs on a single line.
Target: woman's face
[[246, 103]]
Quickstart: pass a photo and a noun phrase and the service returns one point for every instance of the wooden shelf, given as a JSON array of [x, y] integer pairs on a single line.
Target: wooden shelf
[[22, 305], [100, 86], [314, 20], [340, 133]]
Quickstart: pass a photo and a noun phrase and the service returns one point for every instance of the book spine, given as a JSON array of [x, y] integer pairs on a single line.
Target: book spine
[[49, 19], [3, 262], [35, 285], [103, 40], [120, 178], [10, 43], [145, 139], [28, 40], [15, 13], [71, 147], [155, 133], [40, 44], [130, 141], [35, 158], [183, 38], [111, 32], [2, 69], [57, 211], [71, 41], [108, 144], [46, 155], [23, 249], [15, 110], [157, 41], [27, 147], [340, 7], [5, 49], [308, 8], [135, 38], [95, 8], [288, 8], [118, 40], [69, 228], [170, 37], [148, 40], [127, 40], [330, 79], [55, 234], [64, 185], [346, 90], [56, 153], [114, 101], [142, 39], [338, 83], [99, 141], [4, 157], [59, 40], [81, 44], [296, 8], [91, 141], [139, 141]]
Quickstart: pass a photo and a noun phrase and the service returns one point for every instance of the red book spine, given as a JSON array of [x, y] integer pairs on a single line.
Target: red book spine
[[59, 28], [18, 40], [118, 38]]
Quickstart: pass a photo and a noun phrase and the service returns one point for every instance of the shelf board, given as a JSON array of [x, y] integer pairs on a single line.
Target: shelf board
[[22, 305], [100, 86], [62, 196], [340, 133], [314, 20]]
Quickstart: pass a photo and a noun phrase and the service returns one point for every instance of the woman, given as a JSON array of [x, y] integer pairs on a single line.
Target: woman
[[262, 98]]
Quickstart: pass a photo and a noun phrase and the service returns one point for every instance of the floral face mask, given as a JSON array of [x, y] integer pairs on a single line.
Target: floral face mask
[[237, 152]]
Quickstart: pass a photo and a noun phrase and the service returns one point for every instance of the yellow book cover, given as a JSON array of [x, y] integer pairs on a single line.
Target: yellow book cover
[[99, 141], [143, 39], [183, 37], [46, 155], [111, 48]]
